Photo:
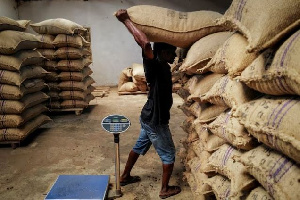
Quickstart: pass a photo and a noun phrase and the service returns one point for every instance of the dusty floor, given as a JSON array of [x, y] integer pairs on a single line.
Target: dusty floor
[[78, 145]]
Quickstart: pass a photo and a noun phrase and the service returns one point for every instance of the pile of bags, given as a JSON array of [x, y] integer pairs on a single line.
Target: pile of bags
[[132, 79], [21, 81], [240, 86], [68, 59]]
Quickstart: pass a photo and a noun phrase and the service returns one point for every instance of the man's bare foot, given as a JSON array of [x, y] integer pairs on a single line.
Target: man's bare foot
[[171, 191], [129, 180]]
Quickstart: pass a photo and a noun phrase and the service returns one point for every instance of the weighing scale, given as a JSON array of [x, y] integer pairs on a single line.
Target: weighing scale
[[92, 186]]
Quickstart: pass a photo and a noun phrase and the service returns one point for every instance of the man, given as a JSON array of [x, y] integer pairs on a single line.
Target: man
[[155, 114]]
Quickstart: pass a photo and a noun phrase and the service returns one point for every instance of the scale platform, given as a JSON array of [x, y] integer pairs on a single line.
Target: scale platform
[[79, 187]]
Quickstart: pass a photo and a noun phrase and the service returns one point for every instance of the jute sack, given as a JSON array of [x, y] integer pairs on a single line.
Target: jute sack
[[71, 53], [73, 65], [211, 112], [223, 162], [77, 103], [10, 24], [46, 41], [53, 86], [191, 180], [201, 162], [76, 95], [13, 41], [142, 85], [54, 95], [276, 74], [76, 85], [24, 22], [232, 57], [185, 108], [75, 76], [183, 93], [51, 77], [176, 87], [63, 40], [275, 172], [192, 136], [187, 124], [203, 85], [57, 26], [11, 92], [196, 108], [182, 154], [226, 92], [221, 187], [125, 76], [138, 72], [229, 128], [22, 58], [53, 105], [26, 72], [274, 122], [19, 134], [17, 107], [192, 83], [202, 51], [48, 53], [180, 29], [14, 121], [259, 193], [128, 87], [49, 65], [267, 29]]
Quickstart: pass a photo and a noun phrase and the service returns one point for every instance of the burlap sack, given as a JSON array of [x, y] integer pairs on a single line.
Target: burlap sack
[[128, 87], [53, 86], [275, 122], [141, 85], [229, 128], [75, 76], [46, 41], [180, 29], [191, 180], [76, 95], [203, 85], [73, 65], [259, 193], [10, 24], [49, 65], [276, 74], [138, 72], [210, 112], [48, 53], [17, 78], [71, 53], [192, 83], [226, 92], [51, 77], [53, 105], [11, 92], [24, 22], [192, 136], [223, 162], [200, 161], [14, 121], [54, 95], [232, 57], [187, 124], [76, 85], [125, 76], [13, 41], [280, 18], [176, 87], [202, 51], [17, 107], [19, 134], [76, 103], [276, 173], [63, 40], [221, 186], [57, 26], [22, 58]]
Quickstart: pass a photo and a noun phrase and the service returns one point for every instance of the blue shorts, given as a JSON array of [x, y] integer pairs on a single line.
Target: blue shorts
[[161, 138]]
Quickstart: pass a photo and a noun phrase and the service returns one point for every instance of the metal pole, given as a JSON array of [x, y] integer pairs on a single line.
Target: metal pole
[[117, 164]]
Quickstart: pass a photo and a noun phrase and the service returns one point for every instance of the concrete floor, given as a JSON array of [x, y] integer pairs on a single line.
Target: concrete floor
[[78, 145]]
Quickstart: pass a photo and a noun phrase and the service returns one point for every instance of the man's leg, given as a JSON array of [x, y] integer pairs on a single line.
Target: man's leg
[[166, 190], [132, 158]]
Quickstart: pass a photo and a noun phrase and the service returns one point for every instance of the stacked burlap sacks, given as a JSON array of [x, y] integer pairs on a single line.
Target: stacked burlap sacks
[[21, 81], [132, 79], [69, 81], [262, 55]]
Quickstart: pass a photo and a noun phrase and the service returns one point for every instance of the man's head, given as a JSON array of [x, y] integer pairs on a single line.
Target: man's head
[[164, 51]]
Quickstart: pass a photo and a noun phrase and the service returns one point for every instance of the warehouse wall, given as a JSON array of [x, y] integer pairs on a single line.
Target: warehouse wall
[[8, 8], [113, 47]]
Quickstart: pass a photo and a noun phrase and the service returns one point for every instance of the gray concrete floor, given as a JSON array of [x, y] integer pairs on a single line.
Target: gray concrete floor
[[78, 145]]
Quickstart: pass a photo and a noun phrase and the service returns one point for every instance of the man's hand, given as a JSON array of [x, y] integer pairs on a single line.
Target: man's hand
[[122, 15]]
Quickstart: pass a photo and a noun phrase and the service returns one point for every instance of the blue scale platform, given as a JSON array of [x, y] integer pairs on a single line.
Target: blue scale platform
[[79, 187]]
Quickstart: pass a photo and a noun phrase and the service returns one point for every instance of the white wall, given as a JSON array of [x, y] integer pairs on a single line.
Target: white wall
[[113, 47], [8, 9]]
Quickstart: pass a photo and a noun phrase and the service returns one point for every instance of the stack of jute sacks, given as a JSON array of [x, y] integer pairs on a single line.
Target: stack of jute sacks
[[132, 80], [69, 81], [21, 82], [241, 97]]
